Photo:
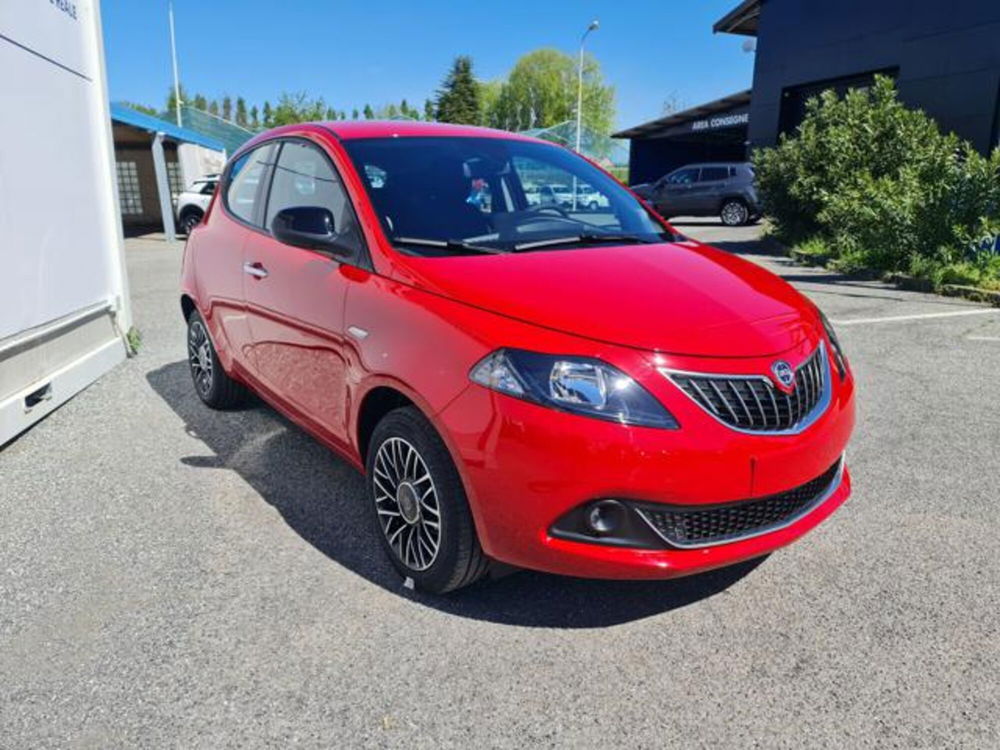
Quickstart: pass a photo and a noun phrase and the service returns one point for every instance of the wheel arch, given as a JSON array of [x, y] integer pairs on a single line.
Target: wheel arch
[[187, 306], [375, 404]]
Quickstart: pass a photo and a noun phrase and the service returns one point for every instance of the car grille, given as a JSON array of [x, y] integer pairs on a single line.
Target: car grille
[[753, 403], [700, 527]]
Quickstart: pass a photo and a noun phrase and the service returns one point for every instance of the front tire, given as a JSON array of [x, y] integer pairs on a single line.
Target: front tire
[[734, 213], [212, 384], [419, 505], [189, 221]]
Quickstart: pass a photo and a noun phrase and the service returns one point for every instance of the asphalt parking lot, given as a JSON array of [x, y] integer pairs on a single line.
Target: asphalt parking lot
[[175, 577]]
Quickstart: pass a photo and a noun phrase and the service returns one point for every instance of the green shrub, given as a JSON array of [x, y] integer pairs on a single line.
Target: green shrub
[[881, 187]]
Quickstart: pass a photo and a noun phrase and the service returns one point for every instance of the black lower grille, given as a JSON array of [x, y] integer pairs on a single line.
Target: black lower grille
[[716, 524], [754, 403]]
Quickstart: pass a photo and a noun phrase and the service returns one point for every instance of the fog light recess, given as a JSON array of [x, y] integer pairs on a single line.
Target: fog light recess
[[605, 517]]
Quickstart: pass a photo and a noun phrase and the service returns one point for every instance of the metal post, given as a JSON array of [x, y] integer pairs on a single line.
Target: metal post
[[163, 187], [594, 25], [173, 55]]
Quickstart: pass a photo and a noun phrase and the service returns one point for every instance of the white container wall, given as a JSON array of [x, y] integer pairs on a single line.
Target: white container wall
[[63, 293]]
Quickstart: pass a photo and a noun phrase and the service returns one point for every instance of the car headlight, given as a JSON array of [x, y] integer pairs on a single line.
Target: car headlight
[[581, 385], [838, 353]]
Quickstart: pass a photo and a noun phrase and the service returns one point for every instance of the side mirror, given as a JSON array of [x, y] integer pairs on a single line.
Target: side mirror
[[309, 227]]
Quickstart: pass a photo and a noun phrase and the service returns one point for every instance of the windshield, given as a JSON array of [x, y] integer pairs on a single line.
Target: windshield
[[446, 195]]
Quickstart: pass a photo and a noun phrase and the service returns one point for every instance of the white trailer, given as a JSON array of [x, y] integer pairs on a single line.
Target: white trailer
[[64, 306]]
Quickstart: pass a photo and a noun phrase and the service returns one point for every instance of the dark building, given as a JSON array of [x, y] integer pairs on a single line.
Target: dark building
[[716, 131], [944, 56]]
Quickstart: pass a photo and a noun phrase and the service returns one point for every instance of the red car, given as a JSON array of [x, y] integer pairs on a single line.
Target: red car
[[575, 391]]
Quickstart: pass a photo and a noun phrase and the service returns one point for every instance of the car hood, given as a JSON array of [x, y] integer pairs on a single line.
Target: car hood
[[680, 298]]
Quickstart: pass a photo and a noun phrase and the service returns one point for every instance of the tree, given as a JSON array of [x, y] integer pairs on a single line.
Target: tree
[[268, 115], [428, 110], [213, 108], [541, 92], [200, 102], [331, 113], [254, 118], [297, 107], [489, 95], [458, 97], [354, 113], [227, 108], [369, 113], [172, 101], [144, 109], [241, 112]]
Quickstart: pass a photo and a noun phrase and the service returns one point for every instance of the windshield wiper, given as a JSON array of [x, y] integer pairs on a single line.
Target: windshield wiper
[[453, 245], [585, 238]]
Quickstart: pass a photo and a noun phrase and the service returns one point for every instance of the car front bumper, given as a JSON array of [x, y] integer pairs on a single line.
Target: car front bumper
[[526, 466]]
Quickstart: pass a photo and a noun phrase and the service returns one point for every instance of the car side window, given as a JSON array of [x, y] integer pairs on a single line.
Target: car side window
[[304, 177], [683, 177], [245, 175], [208, 188], [714, 174]]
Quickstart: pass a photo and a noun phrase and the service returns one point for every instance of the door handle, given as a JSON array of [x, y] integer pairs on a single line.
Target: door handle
[[256, 270]]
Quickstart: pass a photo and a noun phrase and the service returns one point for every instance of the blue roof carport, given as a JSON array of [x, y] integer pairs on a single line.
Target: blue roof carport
[[162, 130]]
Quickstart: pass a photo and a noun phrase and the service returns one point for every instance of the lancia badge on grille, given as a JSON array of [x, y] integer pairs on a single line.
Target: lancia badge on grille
[[783, 374]]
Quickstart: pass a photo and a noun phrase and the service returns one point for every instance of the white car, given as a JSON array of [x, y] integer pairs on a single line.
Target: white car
[[193, 202]]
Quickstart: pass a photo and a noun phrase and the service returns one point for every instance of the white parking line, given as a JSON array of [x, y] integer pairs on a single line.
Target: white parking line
[[983, 338], [924, 316]]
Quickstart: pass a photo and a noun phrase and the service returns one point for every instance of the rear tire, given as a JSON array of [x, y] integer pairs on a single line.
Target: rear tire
[[212, 384], [419, 506], [734, 213]]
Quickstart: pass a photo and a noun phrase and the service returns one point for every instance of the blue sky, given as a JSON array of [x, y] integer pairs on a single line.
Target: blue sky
[[355, 52]]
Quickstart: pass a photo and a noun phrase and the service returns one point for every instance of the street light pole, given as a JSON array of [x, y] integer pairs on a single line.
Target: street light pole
[[173, 55], [594, 26]]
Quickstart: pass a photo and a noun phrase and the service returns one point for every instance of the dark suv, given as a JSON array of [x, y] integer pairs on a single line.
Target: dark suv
[[719, 189]]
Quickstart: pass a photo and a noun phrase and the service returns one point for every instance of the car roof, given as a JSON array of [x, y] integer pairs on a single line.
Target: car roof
[[715, 164], [347, 130]]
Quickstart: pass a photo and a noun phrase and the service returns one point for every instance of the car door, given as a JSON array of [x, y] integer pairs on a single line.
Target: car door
[[705, 194], [295, 297], [674, 198], [221, 268]]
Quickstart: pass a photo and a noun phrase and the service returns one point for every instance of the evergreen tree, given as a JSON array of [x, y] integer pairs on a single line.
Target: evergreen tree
[[227, 108], [458, 97], [428, 110], [331, 113], [200, 102], [254, 118], [213, 108], [354, 113], [369, 113], [241, 112], [171, 100], [268, 115]]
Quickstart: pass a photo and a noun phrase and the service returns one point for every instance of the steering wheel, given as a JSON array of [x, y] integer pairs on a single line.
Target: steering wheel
[[541, 207]]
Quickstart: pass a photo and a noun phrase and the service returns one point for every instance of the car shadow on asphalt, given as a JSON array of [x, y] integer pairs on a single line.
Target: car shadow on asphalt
[[322, 498]]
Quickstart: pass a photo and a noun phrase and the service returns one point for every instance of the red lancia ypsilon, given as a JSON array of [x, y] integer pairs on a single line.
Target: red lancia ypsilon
[[528, 364]]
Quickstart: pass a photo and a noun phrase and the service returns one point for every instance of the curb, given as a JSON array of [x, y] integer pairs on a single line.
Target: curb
[[900, 280]]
